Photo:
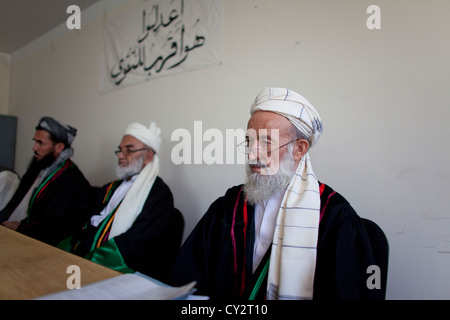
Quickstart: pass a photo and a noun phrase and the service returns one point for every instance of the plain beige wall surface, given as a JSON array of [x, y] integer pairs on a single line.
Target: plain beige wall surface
[[5, 74], [383, 96]]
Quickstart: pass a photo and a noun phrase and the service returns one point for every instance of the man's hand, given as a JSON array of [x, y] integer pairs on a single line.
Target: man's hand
[[11, 224]]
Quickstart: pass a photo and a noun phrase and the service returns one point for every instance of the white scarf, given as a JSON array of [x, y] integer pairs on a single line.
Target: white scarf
[[134, 201], [294, 247]]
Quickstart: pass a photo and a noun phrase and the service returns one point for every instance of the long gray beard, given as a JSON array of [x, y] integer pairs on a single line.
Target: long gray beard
[[261, 188], [133, 168]]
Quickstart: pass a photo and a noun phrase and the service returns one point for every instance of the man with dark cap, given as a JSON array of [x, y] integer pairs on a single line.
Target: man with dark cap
[[49, 203]]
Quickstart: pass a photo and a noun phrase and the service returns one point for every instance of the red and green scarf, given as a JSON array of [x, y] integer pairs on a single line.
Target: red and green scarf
[[41, 189], [255, 287]]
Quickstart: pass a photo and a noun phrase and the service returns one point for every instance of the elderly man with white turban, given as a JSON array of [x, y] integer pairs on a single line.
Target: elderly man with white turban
[[282, 234], [134, 226]]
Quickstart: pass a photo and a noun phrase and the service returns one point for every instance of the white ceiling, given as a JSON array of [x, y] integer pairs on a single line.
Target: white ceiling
[[22, 21]]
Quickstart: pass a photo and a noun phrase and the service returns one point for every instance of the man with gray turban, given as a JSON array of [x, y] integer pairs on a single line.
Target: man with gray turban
[[282, 234], [49, 203], [134, 226]]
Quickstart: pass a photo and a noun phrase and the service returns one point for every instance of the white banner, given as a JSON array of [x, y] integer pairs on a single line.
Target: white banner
[[158, 38]]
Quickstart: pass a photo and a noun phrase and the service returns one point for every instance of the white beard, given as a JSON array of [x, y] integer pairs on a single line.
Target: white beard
[[261, 188], [133, 168]]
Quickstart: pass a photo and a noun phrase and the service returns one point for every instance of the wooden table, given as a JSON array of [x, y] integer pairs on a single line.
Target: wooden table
[[30, 268]]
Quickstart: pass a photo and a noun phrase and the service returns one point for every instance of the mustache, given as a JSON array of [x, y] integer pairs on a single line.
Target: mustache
[[258, 165]]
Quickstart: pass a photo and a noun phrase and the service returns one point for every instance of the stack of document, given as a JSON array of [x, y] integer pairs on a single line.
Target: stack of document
[[126, 287]]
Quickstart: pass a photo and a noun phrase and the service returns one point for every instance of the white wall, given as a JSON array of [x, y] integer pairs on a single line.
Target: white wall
[[383, 96]]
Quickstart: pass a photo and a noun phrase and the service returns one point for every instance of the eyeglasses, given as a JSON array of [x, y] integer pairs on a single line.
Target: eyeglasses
[[244, 147], [126, 151]]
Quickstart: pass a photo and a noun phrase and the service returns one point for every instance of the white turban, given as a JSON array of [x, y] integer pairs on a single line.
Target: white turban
[[294, 107], [148, 136]]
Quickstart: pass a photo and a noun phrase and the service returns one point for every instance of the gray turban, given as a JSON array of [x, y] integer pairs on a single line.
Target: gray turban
[[62, 132]]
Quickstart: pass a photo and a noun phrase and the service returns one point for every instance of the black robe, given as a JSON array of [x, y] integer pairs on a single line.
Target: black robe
[[344, 252], [152, 242], [58, 211]]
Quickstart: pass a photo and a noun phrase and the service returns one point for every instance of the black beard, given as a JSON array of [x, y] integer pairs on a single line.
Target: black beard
[[45, 162]]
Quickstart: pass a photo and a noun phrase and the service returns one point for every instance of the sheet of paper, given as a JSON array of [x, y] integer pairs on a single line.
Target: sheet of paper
[[125, 287]]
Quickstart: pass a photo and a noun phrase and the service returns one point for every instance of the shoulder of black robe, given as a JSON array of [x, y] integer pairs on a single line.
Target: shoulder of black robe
[[83, 238], [153, 241], [60, 210], [207, 254], [344, 252]]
